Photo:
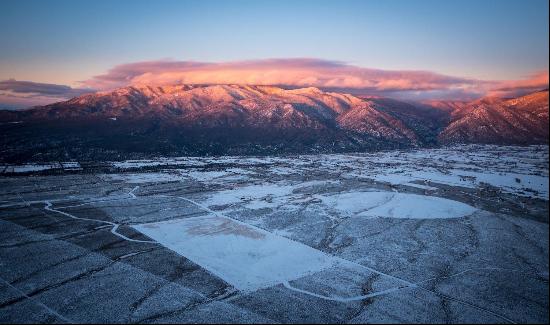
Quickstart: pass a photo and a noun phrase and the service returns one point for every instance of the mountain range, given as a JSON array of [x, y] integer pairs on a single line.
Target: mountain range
[[139, 121]]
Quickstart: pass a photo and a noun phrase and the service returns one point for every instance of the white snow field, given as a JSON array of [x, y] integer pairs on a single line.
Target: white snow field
[[517, 170], [397, 205], [244, 256], [140, 178]]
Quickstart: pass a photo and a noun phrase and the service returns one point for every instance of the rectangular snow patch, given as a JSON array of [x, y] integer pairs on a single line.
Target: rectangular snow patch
[[244, 256]]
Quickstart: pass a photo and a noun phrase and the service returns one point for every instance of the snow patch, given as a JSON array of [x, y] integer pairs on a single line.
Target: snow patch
[[397, 205], [270, 195], [244, 256], [27, 168], [206, 176], [139, 178], [251, 194]]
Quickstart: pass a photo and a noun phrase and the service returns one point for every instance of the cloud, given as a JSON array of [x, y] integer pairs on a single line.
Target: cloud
[[287, 72], [514, 88], [301, 72], [305, 72], [40, 89], [16, 93]]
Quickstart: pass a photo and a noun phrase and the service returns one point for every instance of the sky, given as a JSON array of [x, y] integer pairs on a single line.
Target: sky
[[52, 50]]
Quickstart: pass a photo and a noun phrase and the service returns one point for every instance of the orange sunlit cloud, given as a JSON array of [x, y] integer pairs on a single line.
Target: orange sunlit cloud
[[511, 88], [305, 73], [289, 72], [328, 75]]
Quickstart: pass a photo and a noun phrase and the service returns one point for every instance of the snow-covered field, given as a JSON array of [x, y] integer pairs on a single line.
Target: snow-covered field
[[244, 256], [396, 205], [433, 235], [517, 170], [29, 168]]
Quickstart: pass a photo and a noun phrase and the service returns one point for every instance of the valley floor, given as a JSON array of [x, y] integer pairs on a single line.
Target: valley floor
[[450, 235]]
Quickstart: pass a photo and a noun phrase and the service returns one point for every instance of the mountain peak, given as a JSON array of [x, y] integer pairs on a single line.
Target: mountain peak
[[307, 90]]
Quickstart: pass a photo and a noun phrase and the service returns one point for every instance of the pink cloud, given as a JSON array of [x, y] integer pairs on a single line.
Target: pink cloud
[[304, 72], [288, 72], [513, 88], [307, 72]]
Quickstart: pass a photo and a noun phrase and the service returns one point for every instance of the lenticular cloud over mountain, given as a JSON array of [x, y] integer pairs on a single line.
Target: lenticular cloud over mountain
[[306, 72], [297, 73]]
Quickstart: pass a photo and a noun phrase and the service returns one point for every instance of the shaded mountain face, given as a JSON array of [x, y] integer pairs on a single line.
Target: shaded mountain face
[[134, 122]]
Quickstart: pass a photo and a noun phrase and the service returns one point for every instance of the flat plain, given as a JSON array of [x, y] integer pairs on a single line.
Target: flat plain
[[448, 235]]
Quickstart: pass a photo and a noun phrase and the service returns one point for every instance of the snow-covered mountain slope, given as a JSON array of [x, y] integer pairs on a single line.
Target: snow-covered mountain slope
[[240, 119], [522, 120]]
